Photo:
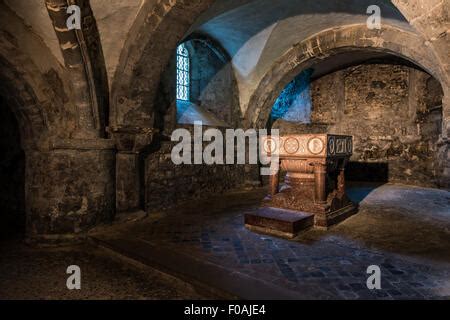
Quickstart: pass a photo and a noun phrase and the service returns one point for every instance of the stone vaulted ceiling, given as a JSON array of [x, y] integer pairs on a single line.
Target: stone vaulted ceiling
[[35, 15], [256, 33], [114, 19]]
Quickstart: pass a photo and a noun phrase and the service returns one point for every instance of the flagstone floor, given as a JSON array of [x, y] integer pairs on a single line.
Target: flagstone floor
[[40, 273], [403, 230]]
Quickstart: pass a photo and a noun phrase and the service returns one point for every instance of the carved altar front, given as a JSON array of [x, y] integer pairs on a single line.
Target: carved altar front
[[313, 193]]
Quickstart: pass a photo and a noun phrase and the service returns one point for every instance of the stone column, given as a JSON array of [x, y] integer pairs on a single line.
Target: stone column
[[70, 188], [130, 141], [341, 178], [320, 177], [128, 196], [274, 181]]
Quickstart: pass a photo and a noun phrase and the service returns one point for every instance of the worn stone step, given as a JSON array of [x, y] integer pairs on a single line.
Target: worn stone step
[[209, 278]]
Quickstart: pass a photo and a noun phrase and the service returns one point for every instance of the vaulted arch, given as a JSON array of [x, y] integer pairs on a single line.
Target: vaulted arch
[[44, 96], [85, 66], [328, 43], [155, 34], [160, 26]]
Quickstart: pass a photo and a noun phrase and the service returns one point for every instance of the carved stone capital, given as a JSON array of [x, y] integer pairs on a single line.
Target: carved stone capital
[[132, 139], [81, 144]]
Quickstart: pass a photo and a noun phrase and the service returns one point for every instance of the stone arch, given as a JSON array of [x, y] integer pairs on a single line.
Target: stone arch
[[430, 19], [155, 34], [149, 45], [152, 39], [36, 81], [85, 65], [22, 124], [211, 44], [24, 105], [26, 97], [328, 43], [58, 181]]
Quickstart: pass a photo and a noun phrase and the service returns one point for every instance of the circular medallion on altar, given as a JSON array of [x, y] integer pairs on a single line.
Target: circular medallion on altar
[[331, 146], [291, 145], [349, 145], [270, 145], [315, 145]]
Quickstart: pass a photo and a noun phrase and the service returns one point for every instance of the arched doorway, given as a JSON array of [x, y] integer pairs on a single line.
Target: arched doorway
[[12, 175]]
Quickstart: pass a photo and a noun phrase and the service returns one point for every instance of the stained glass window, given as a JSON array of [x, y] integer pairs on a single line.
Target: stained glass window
[[182, 73]]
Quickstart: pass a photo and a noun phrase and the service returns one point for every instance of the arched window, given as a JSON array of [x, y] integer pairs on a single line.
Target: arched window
[[183, 73]]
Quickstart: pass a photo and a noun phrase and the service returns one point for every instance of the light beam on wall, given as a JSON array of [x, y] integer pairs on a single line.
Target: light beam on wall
[[294, 103]]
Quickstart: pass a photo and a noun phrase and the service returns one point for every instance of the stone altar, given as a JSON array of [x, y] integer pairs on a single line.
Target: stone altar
[[314, 189]]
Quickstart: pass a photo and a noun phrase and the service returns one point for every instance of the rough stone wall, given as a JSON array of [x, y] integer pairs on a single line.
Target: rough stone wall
[[69, 189], [168, 184], [394, 113], [381, 106], [153, 38], [328, 97], [294, 103]]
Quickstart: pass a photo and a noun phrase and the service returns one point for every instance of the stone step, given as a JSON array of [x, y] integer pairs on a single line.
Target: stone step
[[210, 279], [279, 222]]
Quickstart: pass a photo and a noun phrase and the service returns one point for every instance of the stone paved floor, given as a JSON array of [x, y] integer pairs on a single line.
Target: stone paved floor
[[40, 273], [403, 230]]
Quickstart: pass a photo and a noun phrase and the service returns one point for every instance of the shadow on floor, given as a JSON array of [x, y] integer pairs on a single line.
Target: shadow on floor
[[357, 191], [394, 219]]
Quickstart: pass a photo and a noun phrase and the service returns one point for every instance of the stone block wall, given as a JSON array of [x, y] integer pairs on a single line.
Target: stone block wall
[[213, 89], [167, 184], [69, 189]]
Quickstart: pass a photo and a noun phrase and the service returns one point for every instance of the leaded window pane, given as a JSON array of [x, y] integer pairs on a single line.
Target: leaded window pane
[[183, 74]]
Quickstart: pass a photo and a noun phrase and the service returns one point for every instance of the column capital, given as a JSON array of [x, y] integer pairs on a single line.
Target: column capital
[[132, 139], [81, 144]]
